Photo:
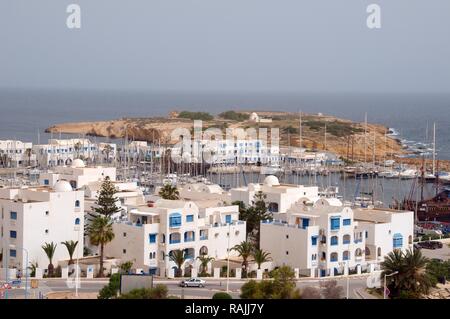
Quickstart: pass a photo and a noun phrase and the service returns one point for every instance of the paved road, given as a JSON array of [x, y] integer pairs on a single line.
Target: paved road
[[356, 284]]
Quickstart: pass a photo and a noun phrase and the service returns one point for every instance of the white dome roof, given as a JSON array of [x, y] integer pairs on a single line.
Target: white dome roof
[[271, 181], [78, 163], [62, 186]]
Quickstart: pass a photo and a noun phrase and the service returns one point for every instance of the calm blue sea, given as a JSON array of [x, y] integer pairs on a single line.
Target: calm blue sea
[[24, 113]]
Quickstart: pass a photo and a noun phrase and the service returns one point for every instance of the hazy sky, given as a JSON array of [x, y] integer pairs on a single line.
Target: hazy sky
[[227, 45]]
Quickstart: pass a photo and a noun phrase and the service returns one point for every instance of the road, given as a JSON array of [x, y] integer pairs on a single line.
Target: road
[[357, 286]]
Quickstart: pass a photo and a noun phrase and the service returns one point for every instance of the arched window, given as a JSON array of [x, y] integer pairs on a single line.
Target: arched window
[[367, 251], [175, 220], [174, 238], [358, 252], [334, 240], [77, 203], [203, 250], [379, 252], [333, 257], [189, 236], [346, 255], [346, 239], [77, 221]]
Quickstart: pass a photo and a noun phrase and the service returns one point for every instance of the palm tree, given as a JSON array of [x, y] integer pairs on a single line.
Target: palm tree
[[77, 148], [204, 261], [71, 246], [392, 263], [178, 257], [101, 233], [416, 278], [50, 252], [169, 192], [244, 250], [107, 150], [261, 256], [33, 266]]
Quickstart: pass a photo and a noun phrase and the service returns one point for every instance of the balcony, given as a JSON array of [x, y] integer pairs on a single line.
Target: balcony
[[189, 239], [346, 242], [204, 237], [357, 241], [175, 241]]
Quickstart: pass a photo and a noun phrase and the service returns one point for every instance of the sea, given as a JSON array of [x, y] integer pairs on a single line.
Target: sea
[[24, 113]]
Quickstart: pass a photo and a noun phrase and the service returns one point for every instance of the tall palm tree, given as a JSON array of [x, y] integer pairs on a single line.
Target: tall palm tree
[[261, 256], [178, 257], [244, 250], [101, 233], [169, 192], [50, 252], [204, 261], [77, 148], [416, 278], [71, 246]]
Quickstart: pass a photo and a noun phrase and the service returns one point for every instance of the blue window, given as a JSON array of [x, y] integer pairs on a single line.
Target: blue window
[[334, 257], [13, 215], [152, 238], [189, 218], [46, 182], [228, 219], [398, 240], [334, 241], [305, 223], [77, 203], [12, 234], [335, 223], [346, 255], [175, 220], [314, 240], [12, 253], [346, 222], [77, 221]]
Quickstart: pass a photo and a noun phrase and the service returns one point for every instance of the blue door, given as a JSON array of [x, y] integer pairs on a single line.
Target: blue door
[[305, 222]]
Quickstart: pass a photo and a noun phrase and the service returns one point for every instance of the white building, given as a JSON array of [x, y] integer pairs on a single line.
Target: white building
[[280, 197], [34, 216], [77, 174], [63, 152], [322, 239], [151, 232], [16, 153]]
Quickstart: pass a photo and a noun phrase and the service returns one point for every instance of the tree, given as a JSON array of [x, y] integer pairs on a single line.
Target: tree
[[101, 233], [169, 192], [125, 267], [260, 256], [221, 295], [178, 257], [33, 266], [412, 279], [439, 270], [281, 287], [330, 290], [110, 290], [107, 150], [71, 246], [204, 261], [106, 201], [159, 292], [244, 250], [77, 148], [49, 250]]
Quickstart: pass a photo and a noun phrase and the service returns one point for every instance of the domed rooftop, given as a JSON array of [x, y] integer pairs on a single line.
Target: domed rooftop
[[78, 163], [62, 186], [271, 181]]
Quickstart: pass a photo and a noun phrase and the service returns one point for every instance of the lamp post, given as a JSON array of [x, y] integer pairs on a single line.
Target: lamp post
[[228, 257], [77, 271], [385, 276], [345, 265], [26, 269]]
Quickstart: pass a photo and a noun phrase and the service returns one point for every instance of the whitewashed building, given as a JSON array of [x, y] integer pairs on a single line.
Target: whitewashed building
[[64, 151], [77, 174], [151, 232], [31, 217], [15, 153]]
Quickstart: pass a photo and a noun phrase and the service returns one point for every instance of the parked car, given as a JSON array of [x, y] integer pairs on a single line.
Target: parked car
[[193, 282], [429, 244]]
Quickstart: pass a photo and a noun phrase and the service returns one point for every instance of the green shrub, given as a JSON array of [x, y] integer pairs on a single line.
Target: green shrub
[[110, 290], [204, 116], [235, 116], [221, 295], [159, 292]]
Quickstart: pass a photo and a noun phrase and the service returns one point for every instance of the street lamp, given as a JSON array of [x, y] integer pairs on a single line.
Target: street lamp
[[345, 265], [385, 276], [228, 256]]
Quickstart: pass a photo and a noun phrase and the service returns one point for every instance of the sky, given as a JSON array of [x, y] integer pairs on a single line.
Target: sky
[[227, 45]]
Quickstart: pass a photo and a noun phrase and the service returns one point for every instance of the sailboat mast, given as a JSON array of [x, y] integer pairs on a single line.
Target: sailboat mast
[[434, 148]]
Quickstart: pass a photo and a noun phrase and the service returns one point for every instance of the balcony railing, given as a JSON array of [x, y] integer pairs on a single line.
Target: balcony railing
[[346, 242], [175, 241], [189, 239], [358, 241], [203, 237]]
